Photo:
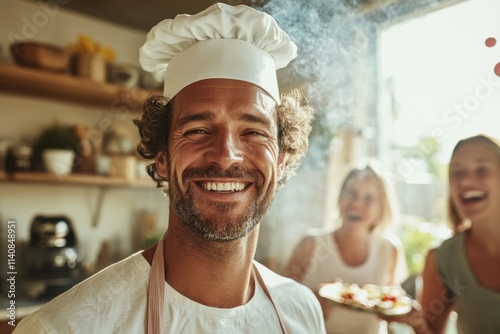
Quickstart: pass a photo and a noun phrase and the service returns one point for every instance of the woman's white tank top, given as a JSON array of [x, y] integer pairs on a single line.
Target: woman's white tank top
[[327, 265]]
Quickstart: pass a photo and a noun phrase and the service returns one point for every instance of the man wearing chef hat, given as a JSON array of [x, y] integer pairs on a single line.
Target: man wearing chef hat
[[222, 140]]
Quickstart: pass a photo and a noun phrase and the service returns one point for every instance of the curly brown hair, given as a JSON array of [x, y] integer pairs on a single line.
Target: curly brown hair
[[294, 126]]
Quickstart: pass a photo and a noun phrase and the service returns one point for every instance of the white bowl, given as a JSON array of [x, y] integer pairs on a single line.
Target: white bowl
[[59, 162]]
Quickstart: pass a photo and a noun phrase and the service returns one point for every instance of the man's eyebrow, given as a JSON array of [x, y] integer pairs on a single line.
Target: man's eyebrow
[[208, 116], [202, 116], [255, 119]]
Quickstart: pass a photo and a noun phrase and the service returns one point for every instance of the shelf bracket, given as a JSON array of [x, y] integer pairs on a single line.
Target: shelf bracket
[[98, 207]]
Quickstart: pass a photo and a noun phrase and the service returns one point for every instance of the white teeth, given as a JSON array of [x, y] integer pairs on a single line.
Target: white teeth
[[224, 186], [473, 194]]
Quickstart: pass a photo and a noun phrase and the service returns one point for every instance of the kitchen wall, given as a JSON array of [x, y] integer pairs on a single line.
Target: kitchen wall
[[22, 118], [50, 22]]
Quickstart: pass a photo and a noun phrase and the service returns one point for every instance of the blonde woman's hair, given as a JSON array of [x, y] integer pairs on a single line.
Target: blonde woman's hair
[[459, 224], [388, 199]]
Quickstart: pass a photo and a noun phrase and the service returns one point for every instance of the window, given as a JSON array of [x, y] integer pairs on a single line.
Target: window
[[437, 76], [437, 85]]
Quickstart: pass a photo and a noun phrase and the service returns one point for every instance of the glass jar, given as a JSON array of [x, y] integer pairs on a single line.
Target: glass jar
[[22, 157]]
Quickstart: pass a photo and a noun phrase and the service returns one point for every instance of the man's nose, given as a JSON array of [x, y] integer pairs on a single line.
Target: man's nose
[[225, 150]]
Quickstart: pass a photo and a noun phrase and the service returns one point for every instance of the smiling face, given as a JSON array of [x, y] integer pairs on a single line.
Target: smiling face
[[475, 182], [224, 159], [360, 201]]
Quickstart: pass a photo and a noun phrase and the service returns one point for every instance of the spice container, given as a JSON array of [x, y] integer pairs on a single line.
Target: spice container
[[3, 155], [123, 166], [22, 158], [92, 67]]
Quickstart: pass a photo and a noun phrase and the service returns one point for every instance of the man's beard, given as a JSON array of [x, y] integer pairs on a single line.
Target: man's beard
[[221, 228]]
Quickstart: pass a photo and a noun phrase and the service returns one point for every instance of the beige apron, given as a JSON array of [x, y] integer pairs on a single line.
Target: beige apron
[[157, 287]]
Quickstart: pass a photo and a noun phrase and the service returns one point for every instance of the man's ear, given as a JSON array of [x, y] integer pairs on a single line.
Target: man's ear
[[161, 163]]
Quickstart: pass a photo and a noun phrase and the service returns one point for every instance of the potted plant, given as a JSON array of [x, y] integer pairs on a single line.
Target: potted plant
[[55, 149]]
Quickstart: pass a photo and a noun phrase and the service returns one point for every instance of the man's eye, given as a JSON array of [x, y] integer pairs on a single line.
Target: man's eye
[[255, 135], [195, 132]]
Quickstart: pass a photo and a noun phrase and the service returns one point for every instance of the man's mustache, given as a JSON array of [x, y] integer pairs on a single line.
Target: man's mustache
[[212, 171]]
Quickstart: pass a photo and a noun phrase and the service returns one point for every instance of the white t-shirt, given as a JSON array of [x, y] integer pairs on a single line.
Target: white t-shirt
[[115, 301]]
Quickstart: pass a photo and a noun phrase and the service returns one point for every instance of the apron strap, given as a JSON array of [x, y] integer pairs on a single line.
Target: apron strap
[[156, 294], [270, 296]]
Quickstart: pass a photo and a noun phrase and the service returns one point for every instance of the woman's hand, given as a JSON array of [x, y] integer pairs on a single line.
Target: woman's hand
[[326, 305], [415, 318]]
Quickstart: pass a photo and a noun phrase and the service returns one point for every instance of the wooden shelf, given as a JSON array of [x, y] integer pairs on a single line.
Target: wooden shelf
[[63, 87], [76, 179]]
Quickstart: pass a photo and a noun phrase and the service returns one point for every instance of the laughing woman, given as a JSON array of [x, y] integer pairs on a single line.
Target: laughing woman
[[358, 252], [463, 274]]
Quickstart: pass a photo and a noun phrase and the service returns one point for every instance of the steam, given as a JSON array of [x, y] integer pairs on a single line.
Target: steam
[[329, 35]]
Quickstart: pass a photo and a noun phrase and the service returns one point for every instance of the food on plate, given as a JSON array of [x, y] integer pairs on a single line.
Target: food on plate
[[385, 300]]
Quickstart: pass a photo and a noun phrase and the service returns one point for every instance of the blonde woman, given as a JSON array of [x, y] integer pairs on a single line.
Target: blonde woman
[[358, 252], [463, 274]]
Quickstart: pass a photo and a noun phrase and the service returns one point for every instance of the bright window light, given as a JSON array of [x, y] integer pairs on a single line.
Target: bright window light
[[437, 76]]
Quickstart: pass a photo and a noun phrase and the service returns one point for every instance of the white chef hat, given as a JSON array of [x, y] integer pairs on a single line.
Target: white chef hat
[[222, 41]]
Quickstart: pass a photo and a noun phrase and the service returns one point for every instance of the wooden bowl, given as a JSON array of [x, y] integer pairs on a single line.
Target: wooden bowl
[[41, 55]]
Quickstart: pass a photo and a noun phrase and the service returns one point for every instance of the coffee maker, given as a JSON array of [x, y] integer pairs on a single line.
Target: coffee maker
[[52, 260]]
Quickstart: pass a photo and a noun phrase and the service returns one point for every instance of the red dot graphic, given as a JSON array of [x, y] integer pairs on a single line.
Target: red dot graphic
[[490, 42]]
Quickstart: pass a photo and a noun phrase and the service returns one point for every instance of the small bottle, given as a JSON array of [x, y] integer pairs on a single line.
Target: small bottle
[[22, 157], [3, 155]]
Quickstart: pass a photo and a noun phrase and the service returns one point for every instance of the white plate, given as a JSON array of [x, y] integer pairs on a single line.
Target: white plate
[[333, 292]]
